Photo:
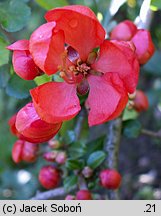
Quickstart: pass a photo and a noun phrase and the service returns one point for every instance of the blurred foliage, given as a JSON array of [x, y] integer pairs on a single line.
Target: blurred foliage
[[49, 4], [18, 20]]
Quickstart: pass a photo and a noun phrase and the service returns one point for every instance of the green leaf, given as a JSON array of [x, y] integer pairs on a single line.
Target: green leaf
[[4, 76], [70, 182], [77, 150], [129, 114], [18, 87], [156, 3], [74, 164], [4, 53], [14, 15], [95, 145], [132, 128], [49, 4], [39, 80], [95, 159]]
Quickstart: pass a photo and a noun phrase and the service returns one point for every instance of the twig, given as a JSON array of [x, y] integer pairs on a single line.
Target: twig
[[55, 193], [112, 148], [151, 133], [79, 124]]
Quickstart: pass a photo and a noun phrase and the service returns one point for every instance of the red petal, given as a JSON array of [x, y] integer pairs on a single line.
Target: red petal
[[17, 151], [46, 47], [35, 130], [24, 65], [128, 49], [114, 58], [81, 27], [56, 101], [124, 31], [144, 45], [107, 98], [19, 45], [11, 123]]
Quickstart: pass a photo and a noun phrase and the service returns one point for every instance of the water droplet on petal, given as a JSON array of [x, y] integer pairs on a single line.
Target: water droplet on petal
[[73, 23]]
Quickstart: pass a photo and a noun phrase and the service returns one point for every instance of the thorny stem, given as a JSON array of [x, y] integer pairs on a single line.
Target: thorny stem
[[114, 134], [112, 148], [60, 192]]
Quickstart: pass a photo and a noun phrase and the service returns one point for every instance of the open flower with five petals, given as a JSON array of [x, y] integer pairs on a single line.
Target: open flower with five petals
[[66, 43]]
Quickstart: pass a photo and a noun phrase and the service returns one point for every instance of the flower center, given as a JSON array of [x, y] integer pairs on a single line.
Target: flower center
[[80, 68]]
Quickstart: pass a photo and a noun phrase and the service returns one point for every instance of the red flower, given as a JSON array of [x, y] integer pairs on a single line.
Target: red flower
[[24, 151], [23, 63], [109, 74], [127, 31], [32, 128]]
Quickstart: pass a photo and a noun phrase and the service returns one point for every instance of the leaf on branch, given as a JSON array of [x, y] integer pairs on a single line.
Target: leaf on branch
[[14, 15], [70, 182], [18, 87], [132, 128], [74, 164], [49, 4], [156, 3], [95, 159]]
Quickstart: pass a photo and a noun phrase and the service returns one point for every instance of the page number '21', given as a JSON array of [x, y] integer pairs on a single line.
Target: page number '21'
[[150, 208]]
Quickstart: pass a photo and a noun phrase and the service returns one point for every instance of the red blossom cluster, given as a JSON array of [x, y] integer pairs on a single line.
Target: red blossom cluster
[[72, 44], [66, 45]]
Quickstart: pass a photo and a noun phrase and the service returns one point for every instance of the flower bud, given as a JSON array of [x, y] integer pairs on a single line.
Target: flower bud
[[141, 101], [54, 144], [110, 179], [11, 123], [124, 31], [83, 195], [70, 197], [34, 130], [144, 45], [29, 151], [50, 156], [61, 157], [23, 64], [24, 151], [17, 151], [49, 177], [87, 172], [141, 38]]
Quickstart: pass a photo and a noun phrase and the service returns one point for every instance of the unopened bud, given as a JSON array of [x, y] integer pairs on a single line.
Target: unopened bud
[[70, 197], [50, 156], [54, 144], [61, 157], [87, 172]]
